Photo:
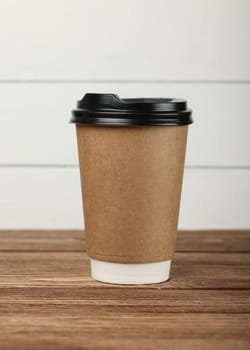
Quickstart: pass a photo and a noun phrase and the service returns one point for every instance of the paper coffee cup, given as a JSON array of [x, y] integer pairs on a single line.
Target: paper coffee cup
[[131, 155]]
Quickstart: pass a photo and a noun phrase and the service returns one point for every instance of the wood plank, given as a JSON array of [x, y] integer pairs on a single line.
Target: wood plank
[[74, 240], [214, 241], [51, 118], [48, 300], [42, 240], [72, 269], [51, 198], [61, 45], [17, 299], [77, 341], [53, 324]]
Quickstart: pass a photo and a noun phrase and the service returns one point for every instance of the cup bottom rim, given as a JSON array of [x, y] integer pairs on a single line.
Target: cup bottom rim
[[124, 273]]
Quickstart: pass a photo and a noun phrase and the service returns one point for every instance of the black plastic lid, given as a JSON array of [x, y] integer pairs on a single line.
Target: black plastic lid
[[110, 109]]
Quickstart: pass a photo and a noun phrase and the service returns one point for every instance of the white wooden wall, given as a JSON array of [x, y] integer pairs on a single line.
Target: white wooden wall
[[52, 52]]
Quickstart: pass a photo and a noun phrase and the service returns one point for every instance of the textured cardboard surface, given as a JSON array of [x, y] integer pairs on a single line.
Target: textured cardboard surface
[[131, 184]]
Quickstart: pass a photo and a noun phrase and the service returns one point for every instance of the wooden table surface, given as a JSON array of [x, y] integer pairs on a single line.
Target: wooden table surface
[[49, 301]]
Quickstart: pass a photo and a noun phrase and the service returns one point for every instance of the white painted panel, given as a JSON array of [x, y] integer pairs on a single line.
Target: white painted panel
[[215, 199], [34, 118], [50, 198], [117, 39], [40, 198]]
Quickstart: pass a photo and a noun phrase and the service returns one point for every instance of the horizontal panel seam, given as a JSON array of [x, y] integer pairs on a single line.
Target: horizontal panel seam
[[191, 167], [124, 81]]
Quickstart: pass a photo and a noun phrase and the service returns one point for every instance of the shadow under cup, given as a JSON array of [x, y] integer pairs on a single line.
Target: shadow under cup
[[131, 155]]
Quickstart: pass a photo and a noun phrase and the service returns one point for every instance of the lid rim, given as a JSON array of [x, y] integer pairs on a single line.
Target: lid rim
[[131, 121], [109, 109]]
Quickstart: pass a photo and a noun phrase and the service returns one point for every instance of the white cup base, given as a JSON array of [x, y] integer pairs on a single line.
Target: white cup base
[[120, 273]]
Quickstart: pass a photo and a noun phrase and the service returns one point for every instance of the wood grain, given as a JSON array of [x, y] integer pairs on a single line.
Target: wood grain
[[49, 301], [73, 240], [145, 300], [42, 240], [72, 268]]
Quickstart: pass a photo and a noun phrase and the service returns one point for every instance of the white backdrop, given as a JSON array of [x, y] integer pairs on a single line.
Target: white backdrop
[[52, 52]]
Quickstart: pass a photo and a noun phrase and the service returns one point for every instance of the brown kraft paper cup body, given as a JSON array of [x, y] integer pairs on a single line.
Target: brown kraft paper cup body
[[131, 181]]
